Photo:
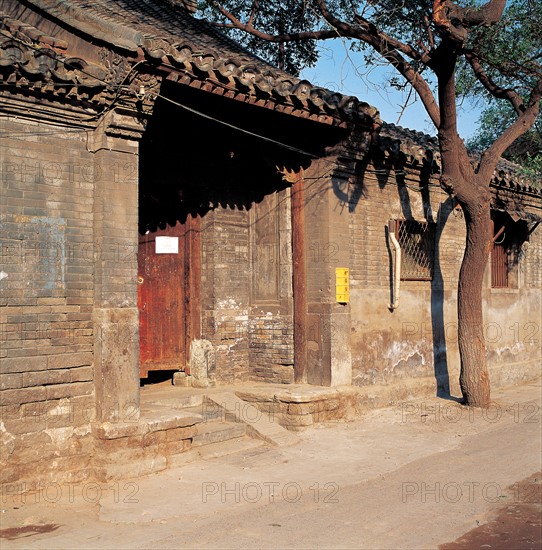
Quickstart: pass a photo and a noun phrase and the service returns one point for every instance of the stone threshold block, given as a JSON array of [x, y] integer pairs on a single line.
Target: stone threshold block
[[298, 407], [144, 446], [150, 421]]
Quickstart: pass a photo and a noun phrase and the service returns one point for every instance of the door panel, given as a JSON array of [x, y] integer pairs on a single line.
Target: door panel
[[162, 301]]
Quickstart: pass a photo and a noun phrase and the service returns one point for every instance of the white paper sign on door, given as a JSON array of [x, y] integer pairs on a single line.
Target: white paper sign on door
[[167, 245]]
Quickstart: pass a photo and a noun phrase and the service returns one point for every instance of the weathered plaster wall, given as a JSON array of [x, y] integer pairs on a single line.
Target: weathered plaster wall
[[419, 339], [512, 328]]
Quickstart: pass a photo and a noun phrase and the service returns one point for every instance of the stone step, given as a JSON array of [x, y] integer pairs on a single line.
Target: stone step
[[241, 445], [215, 431], [259, 425], [177, 402], [207, 410], [150, 420], [223, 448]]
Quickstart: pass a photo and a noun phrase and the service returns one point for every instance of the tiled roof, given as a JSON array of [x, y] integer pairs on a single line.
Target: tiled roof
[[48, 61], [199, 56], [166, 34], [418, 147]]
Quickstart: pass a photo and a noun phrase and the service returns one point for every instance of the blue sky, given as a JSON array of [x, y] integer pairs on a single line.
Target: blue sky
[[343, 71]]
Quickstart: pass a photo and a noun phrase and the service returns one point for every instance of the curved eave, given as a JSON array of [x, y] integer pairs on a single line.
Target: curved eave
[[190, 45]]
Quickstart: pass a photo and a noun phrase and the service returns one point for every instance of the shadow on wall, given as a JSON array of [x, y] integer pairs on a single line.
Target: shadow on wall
[[354, 193], [440, 360]]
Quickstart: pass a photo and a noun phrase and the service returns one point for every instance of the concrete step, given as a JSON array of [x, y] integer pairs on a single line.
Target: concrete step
[[259, 424], [216, 431]]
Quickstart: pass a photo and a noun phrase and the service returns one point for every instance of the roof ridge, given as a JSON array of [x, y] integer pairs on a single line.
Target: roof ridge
[[85, 21]]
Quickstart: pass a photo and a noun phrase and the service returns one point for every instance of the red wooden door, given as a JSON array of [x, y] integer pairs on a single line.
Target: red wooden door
[[168, 295], [161, 300]]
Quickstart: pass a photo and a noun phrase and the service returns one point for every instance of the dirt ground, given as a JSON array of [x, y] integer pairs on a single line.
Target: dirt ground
[[426, 473], [517, 526]]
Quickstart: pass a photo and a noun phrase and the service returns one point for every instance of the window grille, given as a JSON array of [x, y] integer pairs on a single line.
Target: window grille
[[417, 241], [505, 245], [499, 266]]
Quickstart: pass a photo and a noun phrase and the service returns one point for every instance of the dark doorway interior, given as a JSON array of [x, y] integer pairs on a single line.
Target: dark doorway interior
[[189, 165]]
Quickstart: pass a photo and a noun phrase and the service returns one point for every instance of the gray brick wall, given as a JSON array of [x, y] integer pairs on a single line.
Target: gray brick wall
[[46, 249], [225, 290], [252, 339]]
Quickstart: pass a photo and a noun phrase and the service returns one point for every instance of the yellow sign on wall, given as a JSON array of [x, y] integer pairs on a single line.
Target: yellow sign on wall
[[342, 285]]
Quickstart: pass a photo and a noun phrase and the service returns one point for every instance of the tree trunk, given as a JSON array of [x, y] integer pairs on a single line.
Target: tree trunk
[[459, 178], [474, 377]]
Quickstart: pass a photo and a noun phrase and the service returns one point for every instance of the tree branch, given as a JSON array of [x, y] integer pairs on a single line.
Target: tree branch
[[524, 122], [253, 10], [442, 20], [496, 91], [455, 20], [429, 32], [388, 48], [287, 37], [405, 105], [486, 15]]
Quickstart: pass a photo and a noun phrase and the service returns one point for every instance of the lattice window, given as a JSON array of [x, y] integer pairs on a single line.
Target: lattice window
[[508, 236], [417, 241], [499, 256]]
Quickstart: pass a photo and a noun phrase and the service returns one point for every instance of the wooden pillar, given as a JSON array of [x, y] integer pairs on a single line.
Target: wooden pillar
[[193, 281], [299, 278]]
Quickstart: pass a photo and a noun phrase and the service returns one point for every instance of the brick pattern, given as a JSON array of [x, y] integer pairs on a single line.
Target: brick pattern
[[47, 252], [224, 290], [115, 227], [251, 340], [270, 332], [531, 261], [271, 349], [65, 246], [376, 200], [68, 245]]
